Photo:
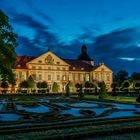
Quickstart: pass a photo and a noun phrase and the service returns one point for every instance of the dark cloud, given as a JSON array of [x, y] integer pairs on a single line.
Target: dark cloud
[[110, 47], [43, 38], [26, 20], [28, 47]]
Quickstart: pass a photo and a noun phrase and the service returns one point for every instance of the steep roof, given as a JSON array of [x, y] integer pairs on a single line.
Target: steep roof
[[79, 65], [21, 61]]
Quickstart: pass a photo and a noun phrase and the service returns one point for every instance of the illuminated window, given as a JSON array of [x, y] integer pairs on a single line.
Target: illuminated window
[[70, 77], [81, 77], [16, 75], [108, 77], [23, 75], [76, 77], [97, 76], [87, 77], [64, 77], [49, 87]]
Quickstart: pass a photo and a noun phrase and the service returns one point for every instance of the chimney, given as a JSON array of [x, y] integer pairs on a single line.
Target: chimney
[[92, 62]]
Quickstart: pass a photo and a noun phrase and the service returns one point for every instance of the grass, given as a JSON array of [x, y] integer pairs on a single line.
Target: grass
[[112, 98]]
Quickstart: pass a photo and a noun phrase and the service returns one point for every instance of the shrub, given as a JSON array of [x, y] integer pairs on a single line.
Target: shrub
[[31, 82], [102, 91], [55, 87]]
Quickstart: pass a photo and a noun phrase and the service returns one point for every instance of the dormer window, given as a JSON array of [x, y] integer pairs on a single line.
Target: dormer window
[[57, 63], [73, 68], [82, 68], [18, 66]]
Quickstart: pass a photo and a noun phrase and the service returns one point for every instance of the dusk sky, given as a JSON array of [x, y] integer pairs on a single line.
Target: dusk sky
[[110, 29]]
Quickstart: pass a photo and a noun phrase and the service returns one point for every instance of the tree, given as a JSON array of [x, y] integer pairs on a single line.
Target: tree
[[125, 85], [24, 85], [55, 87], [135, 76], [78, 87], [120, 77], [137, 86], [43, 86], [31, 82], [102, 91], [4, 85], [7, 49], [114, 87]]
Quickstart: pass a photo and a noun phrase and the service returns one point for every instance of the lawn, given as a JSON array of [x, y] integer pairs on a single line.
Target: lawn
[[121, 99]]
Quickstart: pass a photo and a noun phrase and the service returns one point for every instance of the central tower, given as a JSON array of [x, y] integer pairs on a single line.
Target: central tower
[[84, 55]]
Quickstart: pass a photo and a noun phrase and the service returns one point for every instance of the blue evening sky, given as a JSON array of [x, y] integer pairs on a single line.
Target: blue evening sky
[[110, 28]]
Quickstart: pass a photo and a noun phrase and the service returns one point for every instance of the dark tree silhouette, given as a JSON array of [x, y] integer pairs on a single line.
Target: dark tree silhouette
[[7, 49]]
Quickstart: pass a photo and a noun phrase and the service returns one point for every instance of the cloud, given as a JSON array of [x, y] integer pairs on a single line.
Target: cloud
[[103, 48], [43, 38], [118, 44], [27, 20]]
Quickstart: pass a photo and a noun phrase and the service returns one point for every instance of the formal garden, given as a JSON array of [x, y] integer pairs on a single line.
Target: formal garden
[[61, 116]]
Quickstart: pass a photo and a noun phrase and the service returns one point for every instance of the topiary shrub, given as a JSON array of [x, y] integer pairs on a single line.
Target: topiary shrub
[[102, 91], [55, 87]]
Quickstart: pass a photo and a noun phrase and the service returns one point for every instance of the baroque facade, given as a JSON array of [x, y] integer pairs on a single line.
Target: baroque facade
[[51, 68]]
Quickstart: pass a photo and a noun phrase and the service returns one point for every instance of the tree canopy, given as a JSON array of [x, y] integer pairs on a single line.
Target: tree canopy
[[121, 76], [7, 48], [135, 76]]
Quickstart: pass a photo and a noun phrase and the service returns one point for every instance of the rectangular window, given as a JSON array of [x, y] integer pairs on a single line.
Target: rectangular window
[[107, 77], [58, 77], [39, 77], [49, 77], [81, 77], [76, 77], [58, 68], [33, 67], [34, 76], [64, 68], [64, 77], [16, 76], [39, 67], [97, 76], [70, 77], [87, 77], [23, 75]]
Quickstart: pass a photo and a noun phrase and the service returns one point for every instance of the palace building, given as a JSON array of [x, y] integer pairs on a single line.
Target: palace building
[[51, 68]]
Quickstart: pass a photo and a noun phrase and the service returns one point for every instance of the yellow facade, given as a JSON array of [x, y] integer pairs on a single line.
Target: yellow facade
[[50, 68]]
